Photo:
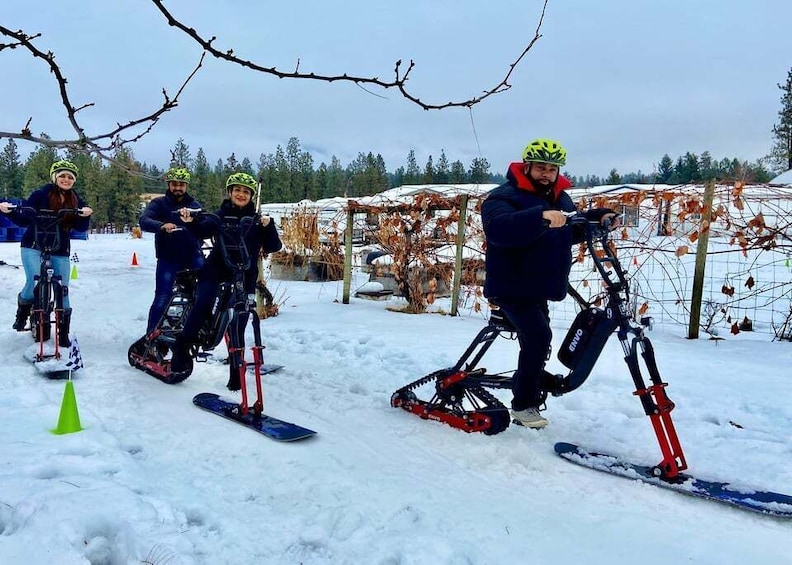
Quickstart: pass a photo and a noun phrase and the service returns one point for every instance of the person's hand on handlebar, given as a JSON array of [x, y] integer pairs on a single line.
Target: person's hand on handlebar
[[554, 218], [6, 207], [85, 211], [611, 221]]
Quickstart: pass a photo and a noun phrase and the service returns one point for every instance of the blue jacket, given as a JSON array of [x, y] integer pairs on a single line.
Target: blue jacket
[[179, 246], [39, 200], [258, 239], [525, 259]]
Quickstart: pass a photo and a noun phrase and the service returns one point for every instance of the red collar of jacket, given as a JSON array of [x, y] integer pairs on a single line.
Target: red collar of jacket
[[523, 182]]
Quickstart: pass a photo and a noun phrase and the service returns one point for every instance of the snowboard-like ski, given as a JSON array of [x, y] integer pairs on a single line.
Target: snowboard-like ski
[[271, 427], [54, 366], [266, 368], [765, 502]]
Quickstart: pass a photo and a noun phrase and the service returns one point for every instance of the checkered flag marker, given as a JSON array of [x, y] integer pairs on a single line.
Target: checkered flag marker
[[75, 361]]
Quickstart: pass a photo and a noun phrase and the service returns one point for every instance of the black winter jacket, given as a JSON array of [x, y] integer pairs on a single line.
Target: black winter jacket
[[525, 259], [178, 246], [39, 200], [258, 239]]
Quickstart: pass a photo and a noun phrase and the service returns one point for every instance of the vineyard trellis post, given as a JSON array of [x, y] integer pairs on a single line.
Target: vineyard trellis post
[[350, 224], [460, 245], [701, 261]]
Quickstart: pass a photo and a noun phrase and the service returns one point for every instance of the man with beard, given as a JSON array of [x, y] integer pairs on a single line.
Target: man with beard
[[176, 247], [528, 260]]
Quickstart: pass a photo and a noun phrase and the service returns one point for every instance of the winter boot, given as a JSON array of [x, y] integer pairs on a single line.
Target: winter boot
[[180, 357], [22, 313], [233, 377], [64, 321]]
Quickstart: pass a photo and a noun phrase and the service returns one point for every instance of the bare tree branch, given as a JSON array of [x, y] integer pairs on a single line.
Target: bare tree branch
[[399, 82], [101, 144]]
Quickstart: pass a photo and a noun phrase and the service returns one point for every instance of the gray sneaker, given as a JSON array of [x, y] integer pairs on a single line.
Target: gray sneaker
[[530, 418]]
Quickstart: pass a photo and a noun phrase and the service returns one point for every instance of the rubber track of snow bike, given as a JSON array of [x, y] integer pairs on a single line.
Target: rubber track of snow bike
[[490, 416]]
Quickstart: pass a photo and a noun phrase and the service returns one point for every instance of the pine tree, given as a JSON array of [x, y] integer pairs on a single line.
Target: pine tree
[[336, 178], [122, 190], [479, 170], [442, 171], [180, 155], [429, 172], [11, 171], [89, 181], [412, 174], [247, 167], [665, 170], [267, 172], [37, 168], [231, 165], [458, 174], [205, 184], [782, 150]]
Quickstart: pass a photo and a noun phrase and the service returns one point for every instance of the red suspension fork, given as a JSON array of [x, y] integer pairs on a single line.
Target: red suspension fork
[[658, 407]]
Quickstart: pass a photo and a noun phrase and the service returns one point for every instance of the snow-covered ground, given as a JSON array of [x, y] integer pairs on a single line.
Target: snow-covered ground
[[152, 479]]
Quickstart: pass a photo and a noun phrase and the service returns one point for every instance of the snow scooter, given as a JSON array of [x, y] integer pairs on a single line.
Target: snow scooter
[[231, 304], [460, 396], [47, 310], [151, 353]]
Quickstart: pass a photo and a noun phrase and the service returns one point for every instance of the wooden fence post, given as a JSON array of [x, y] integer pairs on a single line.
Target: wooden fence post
[[701, 262], [460, 245], [350, 223]]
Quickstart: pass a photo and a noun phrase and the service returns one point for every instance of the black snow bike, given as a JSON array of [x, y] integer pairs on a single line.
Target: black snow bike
[[459, 394], [152, 352], [47, 310]]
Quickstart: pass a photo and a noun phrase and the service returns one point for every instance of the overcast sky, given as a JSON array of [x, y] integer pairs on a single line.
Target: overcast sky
[[618, 82]]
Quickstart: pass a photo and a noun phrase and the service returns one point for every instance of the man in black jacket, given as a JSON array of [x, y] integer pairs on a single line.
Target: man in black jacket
[[176, 247], [528, 261]]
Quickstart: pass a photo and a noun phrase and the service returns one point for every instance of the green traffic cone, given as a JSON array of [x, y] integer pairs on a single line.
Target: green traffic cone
[[74, 273], [69, 419]]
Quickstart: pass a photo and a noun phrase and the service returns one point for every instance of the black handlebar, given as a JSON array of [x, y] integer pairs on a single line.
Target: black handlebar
[[46, 214]]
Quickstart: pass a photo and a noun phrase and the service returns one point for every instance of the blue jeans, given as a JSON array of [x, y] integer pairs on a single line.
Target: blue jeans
[[166, 275], [31, 261]]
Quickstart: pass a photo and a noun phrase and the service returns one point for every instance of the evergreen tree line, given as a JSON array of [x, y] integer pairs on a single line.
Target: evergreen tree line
[[290, 175], [689, 168], [287, 175]]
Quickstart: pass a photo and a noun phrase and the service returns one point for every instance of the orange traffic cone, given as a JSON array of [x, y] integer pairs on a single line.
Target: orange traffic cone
[[134, 260]]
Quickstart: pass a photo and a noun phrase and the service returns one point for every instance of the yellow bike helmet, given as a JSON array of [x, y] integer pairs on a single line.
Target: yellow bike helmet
[[242, 179], [545, 151], [178, 174], [62, 165]]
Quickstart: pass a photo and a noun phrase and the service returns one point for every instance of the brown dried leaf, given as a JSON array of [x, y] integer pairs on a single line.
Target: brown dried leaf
[[727, 290], [750, 282], [682, 250], [734, 329], [643, 308]]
